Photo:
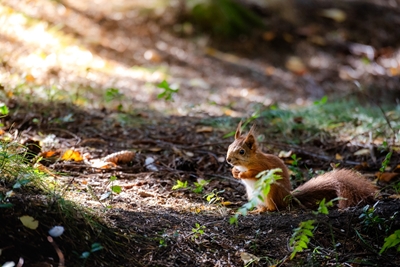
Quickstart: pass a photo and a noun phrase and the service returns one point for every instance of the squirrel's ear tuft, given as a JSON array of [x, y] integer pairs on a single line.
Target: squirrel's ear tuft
[[250, 141], [252, 129], [238, 130]]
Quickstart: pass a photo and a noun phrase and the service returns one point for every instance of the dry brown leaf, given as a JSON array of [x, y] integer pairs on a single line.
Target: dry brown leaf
[[72, 154], [386, 176], [248, 258], [269, 35], [338, 156], [296, 65], [204, 129]]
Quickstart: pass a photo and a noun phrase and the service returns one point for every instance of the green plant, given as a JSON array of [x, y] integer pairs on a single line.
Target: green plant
[[113, 94], [95, 247], [386, 161], [198, 231], [253, 117], [116, 189], [168, 91], [213, 196], [294, 167], [323, 205], [369, 219], [3, 109], [262, 188], [223, 17], [391, 241], [301, 237], [180, 184], [199, 186]]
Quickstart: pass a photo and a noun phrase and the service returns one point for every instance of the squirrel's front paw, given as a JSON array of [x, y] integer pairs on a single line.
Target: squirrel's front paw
[[235, 173]]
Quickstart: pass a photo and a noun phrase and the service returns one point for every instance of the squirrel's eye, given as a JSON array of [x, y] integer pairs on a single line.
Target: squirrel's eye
[[241, 151]]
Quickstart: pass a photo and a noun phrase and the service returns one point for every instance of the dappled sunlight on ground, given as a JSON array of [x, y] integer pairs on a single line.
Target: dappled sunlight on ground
[[76, 51]]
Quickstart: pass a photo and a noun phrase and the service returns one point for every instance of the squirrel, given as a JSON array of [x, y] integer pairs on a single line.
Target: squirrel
[[248, 160]]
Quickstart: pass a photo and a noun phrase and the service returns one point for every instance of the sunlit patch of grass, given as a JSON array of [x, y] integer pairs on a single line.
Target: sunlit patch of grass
[[338, 120]]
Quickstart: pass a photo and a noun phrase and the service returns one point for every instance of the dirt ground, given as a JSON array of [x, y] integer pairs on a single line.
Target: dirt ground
[[153, 225]]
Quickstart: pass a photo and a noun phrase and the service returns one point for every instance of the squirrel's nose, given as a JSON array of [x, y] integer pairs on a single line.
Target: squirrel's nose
[[228, 159]]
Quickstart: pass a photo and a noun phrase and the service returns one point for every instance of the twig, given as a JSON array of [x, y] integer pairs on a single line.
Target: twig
[[58, 251]]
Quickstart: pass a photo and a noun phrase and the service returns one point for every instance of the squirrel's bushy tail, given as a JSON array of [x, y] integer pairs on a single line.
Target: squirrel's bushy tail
[[347, 184]]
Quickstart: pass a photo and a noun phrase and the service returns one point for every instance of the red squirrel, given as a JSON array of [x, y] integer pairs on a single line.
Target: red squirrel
[[248, 160]]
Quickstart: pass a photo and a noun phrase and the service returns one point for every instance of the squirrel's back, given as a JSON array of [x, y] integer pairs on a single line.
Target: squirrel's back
[[349, 185]]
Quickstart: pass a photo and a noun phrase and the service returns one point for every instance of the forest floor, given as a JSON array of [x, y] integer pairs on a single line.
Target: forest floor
[[81, 85]]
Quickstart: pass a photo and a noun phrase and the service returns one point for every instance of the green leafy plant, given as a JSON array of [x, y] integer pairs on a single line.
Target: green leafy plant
[[223, 17], [386, 161], [370, 219], [198, 231], [322, 101], [113, 94], [323, 205], [213, 196], [391, 241], [3, 109], [301, 237], [253, 117], [180, 184], [262, 188], [199, 186], [294, 167], [95, 247], [167, 92]]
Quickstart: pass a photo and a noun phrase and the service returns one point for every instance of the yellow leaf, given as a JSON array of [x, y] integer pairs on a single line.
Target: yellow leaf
[[29, 222], [29, 78], [71, 154], [226, 203], [338, 156]]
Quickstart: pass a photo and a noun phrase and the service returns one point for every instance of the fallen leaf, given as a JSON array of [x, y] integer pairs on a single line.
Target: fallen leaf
[[285, 154], [72, 154], [226, 203], [362, 152], [338, 156], [204, 129], [29, 222], [29, 78], [269, 35], [48, 154], [152, 55], [296, 65], [335, 14], [248, 258], [155, 149], [386, 176]]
